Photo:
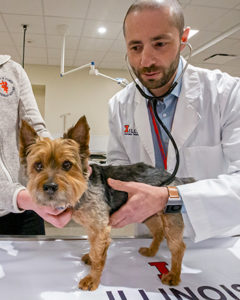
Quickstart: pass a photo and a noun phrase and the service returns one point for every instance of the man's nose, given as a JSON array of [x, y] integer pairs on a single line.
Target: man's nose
[[147, 57]]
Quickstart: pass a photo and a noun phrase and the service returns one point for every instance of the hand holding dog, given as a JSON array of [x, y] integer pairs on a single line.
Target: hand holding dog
[[143, 201], [58, 218]]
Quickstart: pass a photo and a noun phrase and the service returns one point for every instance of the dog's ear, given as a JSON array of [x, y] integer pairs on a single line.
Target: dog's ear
[[27, 137], [80, 133]]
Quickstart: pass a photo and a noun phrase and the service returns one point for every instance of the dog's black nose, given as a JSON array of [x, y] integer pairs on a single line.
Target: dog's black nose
[[50, 188]]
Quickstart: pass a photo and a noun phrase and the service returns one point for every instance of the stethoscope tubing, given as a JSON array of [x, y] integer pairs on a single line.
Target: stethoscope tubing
[[154, 102]]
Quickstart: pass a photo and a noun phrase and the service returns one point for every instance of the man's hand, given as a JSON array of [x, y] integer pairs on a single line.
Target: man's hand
[[58, 218], [143, 201]]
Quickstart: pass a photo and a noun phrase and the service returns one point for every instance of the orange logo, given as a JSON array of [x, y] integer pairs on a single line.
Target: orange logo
[[4, 86], [7, 87]]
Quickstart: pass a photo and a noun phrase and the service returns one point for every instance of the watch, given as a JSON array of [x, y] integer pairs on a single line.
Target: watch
[[174, 204]]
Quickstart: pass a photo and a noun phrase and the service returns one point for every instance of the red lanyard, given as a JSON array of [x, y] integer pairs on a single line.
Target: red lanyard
[[164, 158]]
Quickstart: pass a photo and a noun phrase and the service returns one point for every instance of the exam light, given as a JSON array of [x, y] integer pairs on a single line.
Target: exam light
[[63, 29]]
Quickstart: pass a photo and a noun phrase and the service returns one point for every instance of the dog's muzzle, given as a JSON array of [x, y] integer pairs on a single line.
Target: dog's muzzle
[[50, 188]]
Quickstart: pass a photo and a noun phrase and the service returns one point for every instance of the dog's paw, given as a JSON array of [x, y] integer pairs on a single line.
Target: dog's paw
[[88, 283], [146, 251], [86, 259], [170, 279]]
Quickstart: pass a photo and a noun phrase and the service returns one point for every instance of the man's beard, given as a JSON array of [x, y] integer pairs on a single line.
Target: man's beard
[[167, 74]]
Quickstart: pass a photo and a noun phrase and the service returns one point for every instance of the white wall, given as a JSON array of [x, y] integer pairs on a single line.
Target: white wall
[[78, 94], [39, 93]]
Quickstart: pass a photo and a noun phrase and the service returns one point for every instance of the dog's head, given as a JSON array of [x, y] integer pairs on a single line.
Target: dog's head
[[56, 169]]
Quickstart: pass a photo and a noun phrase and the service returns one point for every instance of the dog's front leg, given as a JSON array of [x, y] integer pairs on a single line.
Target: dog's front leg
[[99, 243]]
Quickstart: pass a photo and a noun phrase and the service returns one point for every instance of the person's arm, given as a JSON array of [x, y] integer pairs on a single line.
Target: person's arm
[[14, 196], [28, 110], [213, 205]]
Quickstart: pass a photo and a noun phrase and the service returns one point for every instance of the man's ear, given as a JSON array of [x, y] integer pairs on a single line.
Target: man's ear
[[27, 137], [80, 134]]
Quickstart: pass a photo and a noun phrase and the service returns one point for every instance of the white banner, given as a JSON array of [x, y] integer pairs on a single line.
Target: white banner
[[51, 270]]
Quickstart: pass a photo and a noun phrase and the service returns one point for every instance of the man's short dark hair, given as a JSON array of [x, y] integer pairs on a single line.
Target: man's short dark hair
[[176, 11]]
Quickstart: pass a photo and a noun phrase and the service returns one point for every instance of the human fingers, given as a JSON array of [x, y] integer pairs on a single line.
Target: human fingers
[[124, 216], [121, 185], [118, 219], [54, 211], [120, 223], [62, 219], [59, 219]]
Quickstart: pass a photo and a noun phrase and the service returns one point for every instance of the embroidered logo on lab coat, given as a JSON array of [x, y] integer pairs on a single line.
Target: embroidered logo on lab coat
[[6, 87], [129, 131]]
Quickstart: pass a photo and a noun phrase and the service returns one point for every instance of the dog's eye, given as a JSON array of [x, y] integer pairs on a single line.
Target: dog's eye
[[38, 166], [66, 165]]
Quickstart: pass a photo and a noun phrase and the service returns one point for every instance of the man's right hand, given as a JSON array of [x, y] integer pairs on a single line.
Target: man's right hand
[[144, 200], [58, 218]]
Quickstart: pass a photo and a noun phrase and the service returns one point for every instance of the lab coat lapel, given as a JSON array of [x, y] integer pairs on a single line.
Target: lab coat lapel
[[187, 114], [143, 127]]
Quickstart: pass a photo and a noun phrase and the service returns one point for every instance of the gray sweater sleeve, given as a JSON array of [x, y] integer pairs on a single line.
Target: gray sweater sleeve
[[19, 103]]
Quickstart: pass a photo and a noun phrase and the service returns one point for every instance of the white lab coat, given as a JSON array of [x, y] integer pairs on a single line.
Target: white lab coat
[[206, 128]]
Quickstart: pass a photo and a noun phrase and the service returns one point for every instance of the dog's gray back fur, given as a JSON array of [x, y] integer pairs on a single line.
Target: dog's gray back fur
[[138, 172]]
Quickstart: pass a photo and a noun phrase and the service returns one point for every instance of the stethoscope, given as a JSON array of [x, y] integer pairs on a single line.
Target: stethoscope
[[154, 101]]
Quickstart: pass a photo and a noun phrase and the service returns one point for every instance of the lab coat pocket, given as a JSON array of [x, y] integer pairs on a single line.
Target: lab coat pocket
[[204, 162]]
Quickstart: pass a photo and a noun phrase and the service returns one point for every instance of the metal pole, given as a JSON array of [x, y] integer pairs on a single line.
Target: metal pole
[[24, 36]]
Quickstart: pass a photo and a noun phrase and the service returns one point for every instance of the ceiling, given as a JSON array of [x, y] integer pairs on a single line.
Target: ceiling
[[85, 44]]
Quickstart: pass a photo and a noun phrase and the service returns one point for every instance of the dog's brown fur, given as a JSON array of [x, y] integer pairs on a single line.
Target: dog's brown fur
[[65, 161]]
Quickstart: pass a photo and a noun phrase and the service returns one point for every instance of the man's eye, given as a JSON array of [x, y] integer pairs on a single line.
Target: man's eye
[[135, 48], [66, 165], [160, 44], [38, 166]]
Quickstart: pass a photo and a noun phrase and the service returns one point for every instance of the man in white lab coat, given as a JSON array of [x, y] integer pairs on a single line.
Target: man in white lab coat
[[202, 113]]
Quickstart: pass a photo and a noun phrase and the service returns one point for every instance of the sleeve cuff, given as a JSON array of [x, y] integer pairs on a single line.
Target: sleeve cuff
[[183, 211], [15, 206]]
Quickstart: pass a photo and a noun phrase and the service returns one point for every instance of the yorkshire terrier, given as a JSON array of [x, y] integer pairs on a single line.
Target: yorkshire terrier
[[58, 176]]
